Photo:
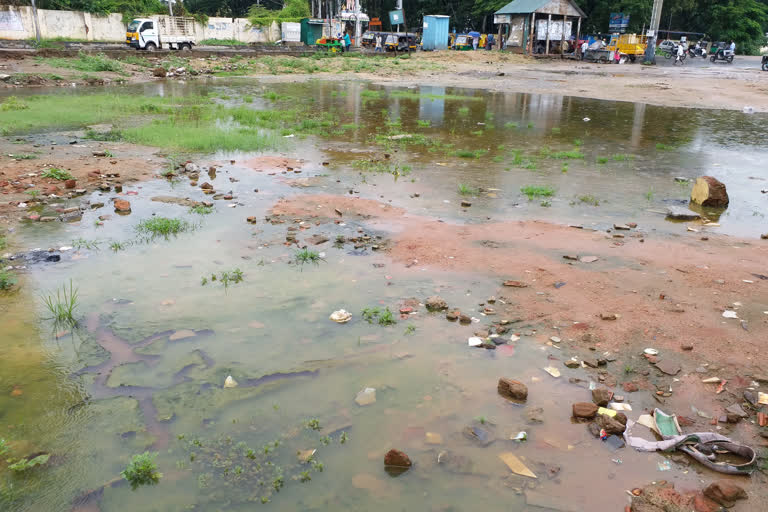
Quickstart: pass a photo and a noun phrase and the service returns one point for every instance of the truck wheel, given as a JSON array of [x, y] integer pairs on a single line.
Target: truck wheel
[[185, 47], [632, 59], [150, 47]]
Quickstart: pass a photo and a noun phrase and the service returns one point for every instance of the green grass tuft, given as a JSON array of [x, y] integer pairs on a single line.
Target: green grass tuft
[[142, 470], [162, 226], [466, 190], [56, 174], [62, 306], [534, 191]]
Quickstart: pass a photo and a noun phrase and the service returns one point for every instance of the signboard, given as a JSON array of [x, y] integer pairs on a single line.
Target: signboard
[[396, 17], [555, 30], [499, 19], [618, 22], [291, 32]]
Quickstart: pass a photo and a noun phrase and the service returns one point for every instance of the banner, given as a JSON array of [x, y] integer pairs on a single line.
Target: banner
[[618, 22], [396, 17]]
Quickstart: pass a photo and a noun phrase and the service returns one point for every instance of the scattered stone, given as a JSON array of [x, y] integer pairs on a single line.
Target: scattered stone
[[585, 410], [588, 259], [736, 410], [453, 315], [229, 382], [602, 396], [435, 303], [570, 257], [433, 438], [679, 213], [611, 426], [668, 367], [534, 415], [608, 316], [629, 387], [317, 239], [572, 363], [465, 319], [365, 397], [181, 201], [592, 363], [708, 191], [621, 227], [686, 346], [593, 429], [515, 284], [466, 204], [513, 390], [122, 206], [480, 434], [206, 186], [159, 72], [725, 493], [251, 220], [397, 458]]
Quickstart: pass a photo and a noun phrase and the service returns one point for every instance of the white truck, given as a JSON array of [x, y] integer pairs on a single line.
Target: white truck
[[158, 32]]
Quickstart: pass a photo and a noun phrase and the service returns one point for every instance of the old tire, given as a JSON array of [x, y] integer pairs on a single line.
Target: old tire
[[150, 47]]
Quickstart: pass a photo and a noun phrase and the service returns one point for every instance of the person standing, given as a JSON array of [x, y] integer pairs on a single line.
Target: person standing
[[347, 41], [584, 47], [679, 54], [732, 48], [378, 42]]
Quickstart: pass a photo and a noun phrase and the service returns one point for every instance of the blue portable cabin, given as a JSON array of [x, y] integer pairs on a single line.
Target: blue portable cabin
[[435, 36]]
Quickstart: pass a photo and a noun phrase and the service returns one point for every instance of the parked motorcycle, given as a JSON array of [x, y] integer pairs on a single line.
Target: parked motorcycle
[[697, 52]]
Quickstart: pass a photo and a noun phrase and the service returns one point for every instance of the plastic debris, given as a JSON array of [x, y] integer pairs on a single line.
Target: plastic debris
[[620, 407], [711, 380], [305, 455], [721, 387], [606, 412], [618, 462], [554, 339], [229, 382], [514, 337], [474, 341], [366, 397], [666, 424], [592, 385], [586, 119], [762, 398], [615, 443], [516, 465], [651, 351], [341, 316], [552, 371], [730, 314], [520, 436], [664, 465]]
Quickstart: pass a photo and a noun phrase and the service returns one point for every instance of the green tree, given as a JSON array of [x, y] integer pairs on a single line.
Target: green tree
[[743, 21]]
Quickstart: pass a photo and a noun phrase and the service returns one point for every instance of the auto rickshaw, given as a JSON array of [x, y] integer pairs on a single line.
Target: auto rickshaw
[[332, 44], [400, 42], [463, 42]]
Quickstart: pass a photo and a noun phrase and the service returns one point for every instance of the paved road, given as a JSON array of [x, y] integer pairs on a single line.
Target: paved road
[[739, 62]]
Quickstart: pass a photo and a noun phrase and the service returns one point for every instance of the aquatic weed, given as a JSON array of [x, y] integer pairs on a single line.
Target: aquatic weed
[[469, 153], [463, 111], [386, 318], [201, 209], [577, 142], [343, 438], [533, 191], [649, 194], [466, 190], [555, 130], [510, 124], [425, 123], [567, 155], [25, 464], [142, 470], [602, 160], [589, 199], [7, 280], [622, 158], [313, 424], [307, 256], [664, 147], [82, 243], [564, 168], [410, 329], [162, 226], [117, 246], [62, 305], [3, 242]]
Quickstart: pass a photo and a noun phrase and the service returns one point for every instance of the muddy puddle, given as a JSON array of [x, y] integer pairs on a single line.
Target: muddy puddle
[[158, 336]]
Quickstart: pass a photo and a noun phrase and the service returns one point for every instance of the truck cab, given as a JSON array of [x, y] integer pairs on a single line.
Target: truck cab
[[161, 32], [142, 34]]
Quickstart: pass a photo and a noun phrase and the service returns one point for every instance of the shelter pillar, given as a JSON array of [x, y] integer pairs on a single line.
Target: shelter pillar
[[549, 20]]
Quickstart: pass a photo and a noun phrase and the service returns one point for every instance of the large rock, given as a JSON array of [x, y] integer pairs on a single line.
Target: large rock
[[611, 425], [121, 205], [602, 396], [397, 458], [708, 191], [514, 390], [586, 410], [435, 303], [725, 493]]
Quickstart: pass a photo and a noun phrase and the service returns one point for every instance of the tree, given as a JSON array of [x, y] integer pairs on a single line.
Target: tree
[[743, 21], [293, 11]]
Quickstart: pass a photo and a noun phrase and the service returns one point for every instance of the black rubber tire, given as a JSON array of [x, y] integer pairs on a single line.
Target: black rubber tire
[[150, 47], [713, 58], [730, 59], [632, 58], [765, 66], [667, 55], [185, 47]]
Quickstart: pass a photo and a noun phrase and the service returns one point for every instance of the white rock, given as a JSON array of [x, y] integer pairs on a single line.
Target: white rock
[[366, 397], [341, 316], [229, 382], [474, 341]]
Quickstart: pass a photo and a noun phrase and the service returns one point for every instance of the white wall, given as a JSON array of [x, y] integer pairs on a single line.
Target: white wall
[[18, 23]]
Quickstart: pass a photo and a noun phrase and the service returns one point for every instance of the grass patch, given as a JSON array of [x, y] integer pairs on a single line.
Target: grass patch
[[463, 111], [222, 42], [424, 123], [469, 153], [555, 130], [7, 280], [567, 155], [56, 174], [602, 160], [84, 62], [433, 97], [664, 147], [466, 190], [82, 243], [24, 157], [589, 199], [201, 210], [535, 191], [226, 278], [162, 226], [578, 142], [649, 194], [510, 124], [118, 246], [619, 157], [3, 242], [62, 306]]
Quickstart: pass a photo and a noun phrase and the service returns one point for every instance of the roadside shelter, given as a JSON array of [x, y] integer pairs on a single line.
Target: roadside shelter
[[541, 26], [311, 30], [435, 35]]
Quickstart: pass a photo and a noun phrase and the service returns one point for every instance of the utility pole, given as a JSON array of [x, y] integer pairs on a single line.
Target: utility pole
[[357, 24], [170, 7], [37, 24], [653, 29]]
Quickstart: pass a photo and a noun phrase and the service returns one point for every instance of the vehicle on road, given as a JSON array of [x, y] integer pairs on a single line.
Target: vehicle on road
[[765, 63], [630, 46], [720, 52], [666, 48], [697, 51], [161, 32]]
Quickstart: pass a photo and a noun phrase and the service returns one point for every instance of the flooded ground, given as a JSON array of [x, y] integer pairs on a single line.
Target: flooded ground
[[157, 336]]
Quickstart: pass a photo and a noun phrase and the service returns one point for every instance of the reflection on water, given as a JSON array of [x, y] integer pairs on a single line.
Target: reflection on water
[[145, 370]]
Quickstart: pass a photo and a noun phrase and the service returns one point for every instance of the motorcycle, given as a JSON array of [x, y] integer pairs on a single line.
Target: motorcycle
[[697, 52], [720, 52], [765, 62]]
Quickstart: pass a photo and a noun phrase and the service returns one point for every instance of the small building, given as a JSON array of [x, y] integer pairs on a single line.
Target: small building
[[435, 35], [540, 26], [311, 30]]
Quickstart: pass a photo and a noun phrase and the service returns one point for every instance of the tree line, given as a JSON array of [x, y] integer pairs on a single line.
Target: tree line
[[744, 21]]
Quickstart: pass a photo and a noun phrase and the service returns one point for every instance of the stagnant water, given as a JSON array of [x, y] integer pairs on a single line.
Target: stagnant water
[[127, 380]]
